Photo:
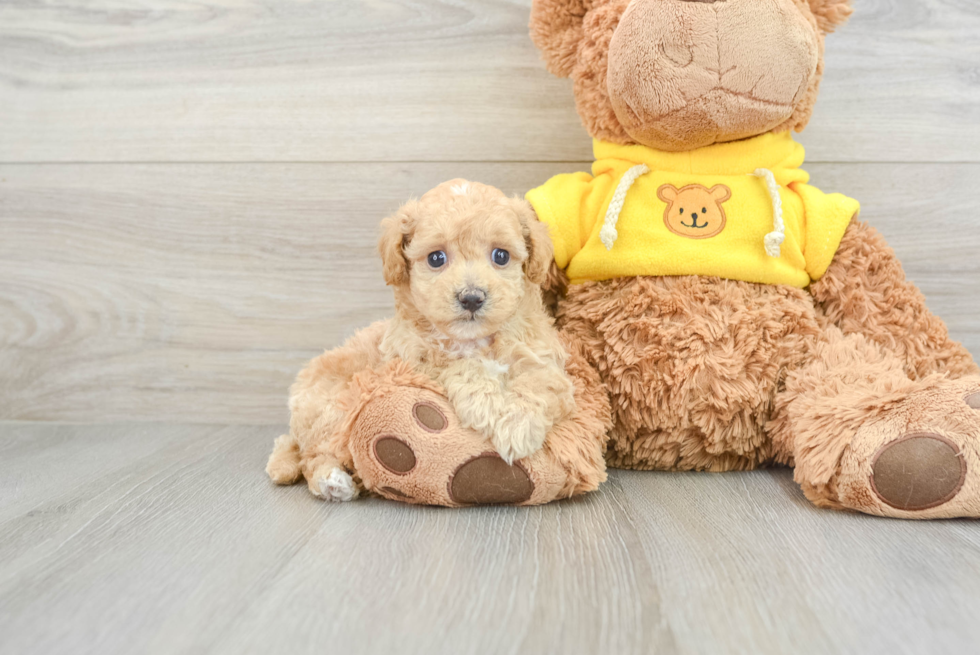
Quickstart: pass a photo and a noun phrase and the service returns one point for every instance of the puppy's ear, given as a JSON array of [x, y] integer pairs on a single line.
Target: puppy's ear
[[831, 14], [396, 232], [540, 250]]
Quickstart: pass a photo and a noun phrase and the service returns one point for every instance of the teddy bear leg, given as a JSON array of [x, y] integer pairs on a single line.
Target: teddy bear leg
[[865, 292], [865, 436], [407, 444]]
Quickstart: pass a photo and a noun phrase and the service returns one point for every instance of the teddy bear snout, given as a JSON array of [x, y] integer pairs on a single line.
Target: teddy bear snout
[[682, 76]]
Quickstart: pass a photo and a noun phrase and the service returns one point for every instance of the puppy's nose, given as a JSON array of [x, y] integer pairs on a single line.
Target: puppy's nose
[[472, 299]]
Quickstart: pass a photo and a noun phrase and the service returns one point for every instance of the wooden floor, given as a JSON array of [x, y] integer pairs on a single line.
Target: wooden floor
[[135, 538], [189, 197]]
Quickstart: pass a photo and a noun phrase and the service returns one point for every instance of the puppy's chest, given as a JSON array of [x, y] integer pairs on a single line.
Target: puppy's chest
[[495, 368], [477, 349], [483, 355]]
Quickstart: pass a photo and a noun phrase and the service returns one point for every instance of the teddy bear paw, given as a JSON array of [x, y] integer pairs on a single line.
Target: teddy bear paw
[[409, 445], [918, 471], [921, 459]]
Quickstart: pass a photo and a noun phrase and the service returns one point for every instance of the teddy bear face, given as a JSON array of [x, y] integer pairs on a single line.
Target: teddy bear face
[[681, 74], [687, 74], [695, 211]]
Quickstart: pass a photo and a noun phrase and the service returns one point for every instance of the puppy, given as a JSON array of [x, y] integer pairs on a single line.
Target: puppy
[[466, 263]]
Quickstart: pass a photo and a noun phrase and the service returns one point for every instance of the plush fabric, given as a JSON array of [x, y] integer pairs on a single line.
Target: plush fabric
[[452, 401], [687, 75], [834, 366], [650, 237], [381, 403], [574, 37]]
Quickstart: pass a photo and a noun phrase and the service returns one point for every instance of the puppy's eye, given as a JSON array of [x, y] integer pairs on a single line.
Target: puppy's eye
[[436, 259], [500, 256]]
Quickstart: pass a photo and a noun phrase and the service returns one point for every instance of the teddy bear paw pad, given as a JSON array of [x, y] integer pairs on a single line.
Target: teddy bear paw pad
[[395, 455], [973, 400], [488, 480], [918, 471], [429, 417]]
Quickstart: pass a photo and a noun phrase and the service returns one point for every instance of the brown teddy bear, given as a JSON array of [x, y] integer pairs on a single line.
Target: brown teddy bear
[[739, 316]]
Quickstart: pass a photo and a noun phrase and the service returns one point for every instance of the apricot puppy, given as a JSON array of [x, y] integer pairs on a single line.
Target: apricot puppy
[[466, 263]]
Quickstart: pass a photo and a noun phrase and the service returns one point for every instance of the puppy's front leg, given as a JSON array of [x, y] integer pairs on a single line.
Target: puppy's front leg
[[514, 414], [476, 393], [537, 397], [521, 428]]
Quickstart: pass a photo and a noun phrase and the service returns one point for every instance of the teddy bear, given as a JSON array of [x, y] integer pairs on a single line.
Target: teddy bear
[[739, 316]]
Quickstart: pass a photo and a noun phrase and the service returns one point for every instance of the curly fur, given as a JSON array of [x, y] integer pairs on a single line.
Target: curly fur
[[831, 14], [865, 292], [570, 463], [717, 375], [693, 365], [590, 71], [712, 374], [502, 367], [556, 28]]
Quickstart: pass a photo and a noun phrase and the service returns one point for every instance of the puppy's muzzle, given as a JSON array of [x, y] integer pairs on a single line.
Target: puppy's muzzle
[[472, 299]]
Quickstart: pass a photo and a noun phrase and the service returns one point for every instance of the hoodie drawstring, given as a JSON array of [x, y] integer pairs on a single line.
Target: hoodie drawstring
[[608, 233], [775, 238]]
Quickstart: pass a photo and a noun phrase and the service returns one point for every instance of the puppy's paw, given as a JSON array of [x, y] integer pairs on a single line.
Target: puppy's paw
[[517, 435], [334, 485], [283, 466]]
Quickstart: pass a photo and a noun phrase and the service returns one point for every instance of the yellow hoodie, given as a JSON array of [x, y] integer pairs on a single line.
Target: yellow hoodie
[[740, 210]]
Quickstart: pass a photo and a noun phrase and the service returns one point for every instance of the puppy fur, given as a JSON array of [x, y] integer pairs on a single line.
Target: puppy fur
[[502, 366]]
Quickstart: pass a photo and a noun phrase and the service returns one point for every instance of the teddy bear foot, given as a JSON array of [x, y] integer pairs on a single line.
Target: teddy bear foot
[[921, 459], [407, 445], [917, 472]]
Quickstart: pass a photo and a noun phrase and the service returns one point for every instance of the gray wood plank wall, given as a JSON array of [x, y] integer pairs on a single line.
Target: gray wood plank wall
[[189, 193]]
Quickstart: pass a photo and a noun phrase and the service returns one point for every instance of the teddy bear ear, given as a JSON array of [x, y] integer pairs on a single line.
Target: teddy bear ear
[[720, 192], [831, 14], [556, 29], [667, 193]]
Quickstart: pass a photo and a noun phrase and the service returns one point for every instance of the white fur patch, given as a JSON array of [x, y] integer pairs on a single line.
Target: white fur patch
[[465, 349], [495, 368], [337, 487], [460, 189]]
